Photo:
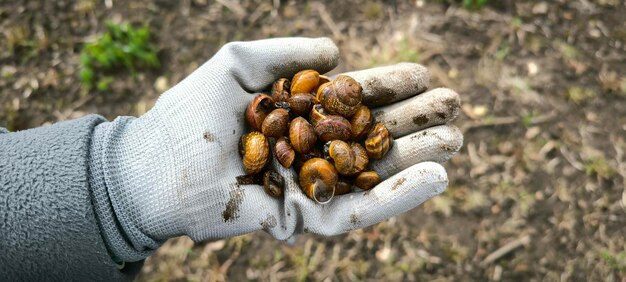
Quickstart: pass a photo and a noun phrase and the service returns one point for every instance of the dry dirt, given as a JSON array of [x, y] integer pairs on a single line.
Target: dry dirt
[[536, 194]]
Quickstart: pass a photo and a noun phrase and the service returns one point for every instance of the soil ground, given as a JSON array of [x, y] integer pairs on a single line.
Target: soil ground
[[543, 87]]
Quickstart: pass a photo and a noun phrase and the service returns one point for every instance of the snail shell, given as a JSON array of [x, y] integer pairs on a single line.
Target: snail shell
[[360, 158], [284, 152], [255, 151], [360, 123], [273, 184], [341, 96], [318, 179], [349, 159], [304, 81], [280, 90], [302, 135], [301, 104], [333, 128], [323, 79], [276, 123], [341, 154], [378, 142], [317, 113], [343, 186], [367, 180], [257, 110]]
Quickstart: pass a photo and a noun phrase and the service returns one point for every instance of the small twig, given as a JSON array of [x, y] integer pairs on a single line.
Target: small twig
[[275, 8], [571, 159], [234, 7], [492, 122], [500, 121], [226, 265], [72, 108], [507, 248], [328, 20], [258, 13]]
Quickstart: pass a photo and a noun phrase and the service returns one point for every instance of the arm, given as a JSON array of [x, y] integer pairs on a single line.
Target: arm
[[48, 229], [87, 187]]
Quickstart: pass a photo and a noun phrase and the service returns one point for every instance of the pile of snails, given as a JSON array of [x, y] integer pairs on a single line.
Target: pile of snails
[[319, 127]]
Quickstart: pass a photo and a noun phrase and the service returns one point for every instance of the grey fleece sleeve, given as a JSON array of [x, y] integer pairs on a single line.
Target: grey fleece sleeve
[[48, 228]]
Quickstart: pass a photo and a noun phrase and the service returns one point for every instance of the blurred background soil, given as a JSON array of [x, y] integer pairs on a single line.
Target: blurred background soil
[[537, 192]]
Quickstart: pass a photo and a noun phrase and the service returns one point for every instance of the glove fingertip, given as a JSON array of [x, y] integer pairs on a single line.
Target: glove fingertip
[[422, 181]]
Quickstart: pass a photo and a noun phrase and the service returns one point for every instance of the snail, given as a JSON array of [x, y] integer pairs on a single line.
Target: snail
[[360, 123], [284, 152], [378, 142], [317, 113], [333, 127], [318, 179], [255, 150], [367, 180], [258, 109], [341, 154], [304, 81], [280, 90], [301, 104], [336, 117], [341, 96], [349, 159], [360, 158], [275, 123], [343, 186], [273, 184], [323, 79], [302, 135]]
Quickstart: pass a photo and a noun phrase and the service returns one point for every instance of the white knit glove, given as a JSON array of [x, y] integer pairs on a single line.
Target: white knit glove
[[172, 171]]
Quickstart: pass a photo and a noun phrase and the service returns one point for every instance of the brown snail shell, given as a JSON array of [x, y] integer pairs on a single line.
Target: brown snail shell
[[341, 96], [249, 179], [255, 151], [349, 159], [304, 81], [284, 152], [360, 123], [301, 104], [367, 180], [273, 184], [360, 158], [318, 179], [323, 79], [280, 90], [276, 123], [333, 128], [378, 142], [341, 154], [317, 113], [343, 186], [258, 109], [302, 135]]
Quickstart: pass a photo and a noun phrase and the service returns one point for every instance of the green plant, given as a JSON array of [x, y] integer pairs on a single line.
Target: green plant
[[503, 51], [600, 166], [527, 119], [474, 4], [401, 51], [580, 94], [616, 261], [121, 46]]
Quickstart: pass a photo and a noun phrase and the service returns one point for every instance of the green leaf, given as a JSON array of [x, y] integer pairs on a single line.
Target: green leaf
[[121, 46]]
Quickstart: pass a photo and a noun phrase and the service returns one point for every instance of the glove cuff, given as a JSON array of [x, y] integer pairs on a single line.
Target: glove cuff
[[127, 174]]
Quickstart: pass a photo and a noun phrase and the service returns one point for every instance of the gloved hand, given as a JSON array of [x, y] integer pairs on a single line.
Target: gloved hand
[[172, 171]]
